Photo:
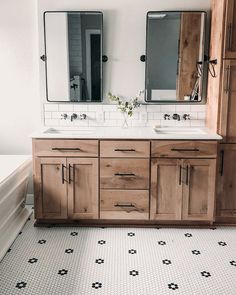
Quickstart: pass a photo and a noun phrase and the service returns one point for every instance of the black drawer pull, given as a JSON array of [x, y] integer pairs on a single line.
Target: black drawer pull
[[124, 174], [66, 149], [128, 205], [124, 150], [184, 150]]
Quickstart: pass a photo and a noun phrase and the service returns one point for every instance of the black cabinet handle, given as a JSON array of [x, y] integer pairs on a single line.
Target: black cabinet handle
[[222, 153], [180, 174], [128, 205], [63, 174], [187, 175], [124, 150], [71, 167], [124, 174], [66, 149], [184, 150]]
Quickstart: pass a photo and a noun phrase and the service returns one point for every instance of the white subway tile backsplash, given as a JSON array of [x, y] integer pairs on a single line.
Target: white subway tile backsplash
[[153, 114], [50, 107]]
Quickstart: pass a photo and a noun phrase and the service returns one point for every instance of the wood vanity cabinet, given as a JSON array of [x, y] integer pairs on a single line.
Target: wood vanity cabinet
[[226, 184], [124, 179], [183, 181], [66, 185], [230, 29]]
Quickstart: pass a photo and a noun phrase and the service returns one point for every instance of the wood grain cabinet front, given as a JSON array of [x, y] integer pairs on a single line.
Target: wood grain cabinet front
[[230, 29]]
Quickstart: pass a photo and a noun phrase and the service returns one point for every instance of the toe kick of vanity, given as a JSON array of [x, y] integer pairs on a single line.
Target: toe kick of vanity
[[147, 182]]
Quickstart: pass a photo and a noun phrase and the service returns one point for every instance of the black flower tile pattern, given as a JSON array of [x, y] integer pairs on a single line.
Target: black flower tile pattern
[[233, 262], [134, 273], [63, 272], [99, 261], [96, 285], [21, 285], [205, 274], [173, 286], [162, 243], [33, 260], [132, 251], [196, 252], [42, 242], [74, 233], [101, 242], [147, 261], [69, 251], [166, 261], [222, 243]]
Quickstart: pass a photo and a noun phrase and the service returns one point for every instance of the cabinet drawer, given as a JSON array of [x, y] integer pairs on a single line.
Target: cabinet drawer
[[124, 173], [64, 148], [124, 204], [184, 149], [125, 149]]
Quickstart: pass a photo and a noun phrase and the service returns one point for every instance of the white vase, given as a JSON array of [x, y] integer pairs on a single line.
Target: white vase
[[125, 120]]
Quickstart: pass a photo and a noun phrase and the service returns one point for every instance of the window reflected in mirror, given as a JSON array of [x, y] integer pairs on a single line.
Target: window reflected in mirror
[[175, 56], [73, 49]]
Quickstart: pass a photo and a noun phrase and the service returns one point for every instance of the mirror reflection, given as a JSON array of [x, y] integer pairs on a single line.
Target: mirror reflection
[[73, 49], [175, 56]]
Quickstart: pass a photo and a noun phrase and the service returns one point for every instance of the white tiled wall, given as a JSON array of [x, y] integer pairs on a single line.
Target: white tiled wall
[[108, 115]]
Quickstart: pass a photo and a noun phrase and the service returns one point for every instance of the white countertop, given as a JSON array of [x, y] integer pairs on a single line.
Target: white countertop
[[129, 133]]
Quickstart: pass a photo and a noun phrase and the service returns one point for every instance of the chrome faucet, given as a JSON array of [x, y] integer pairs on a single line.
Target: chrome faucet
[[82, 116], [64, 116], [186, 116], [73, 117], [176, 117], [166, 117]]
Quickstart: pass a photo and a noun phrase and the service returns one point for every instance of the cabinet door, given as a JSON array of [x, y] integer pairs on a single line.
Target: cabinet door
[[50, 188], [198, 189], [82, 188], [230, 30], [166, 189], [226, 183], [228, 102]]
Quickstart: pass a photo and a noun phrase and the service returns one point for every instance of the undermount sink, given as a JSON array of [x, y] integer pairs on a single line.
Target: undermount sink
[[169, 130], [69, 131]]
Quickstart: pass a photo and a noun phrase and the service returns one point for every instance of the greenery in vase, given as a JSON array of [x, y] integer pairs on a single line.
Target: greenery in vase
[[123, 105]]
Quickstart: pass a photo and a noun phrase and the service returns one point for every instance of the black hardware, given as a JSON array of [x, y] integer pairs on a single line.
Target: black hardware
[[104, 58], [184, 150], [66, 149], [124, 205], [227, 89], [124, 174], [230, 36], [143, 58], [222, 153], [187, 175], [71, 166], [43, 57], [166, 117], [180, 174], [63, 174], [176, 117], [124, 150]]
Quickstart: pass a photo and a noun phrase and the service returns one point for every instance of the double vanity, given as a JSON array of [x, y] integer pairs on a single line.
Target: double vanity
[[125, 176]]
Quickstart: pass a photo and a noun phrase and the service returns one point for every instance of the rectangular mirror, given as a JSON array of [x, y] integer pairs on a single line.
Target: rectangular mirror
[[175, 56], [73, 56]]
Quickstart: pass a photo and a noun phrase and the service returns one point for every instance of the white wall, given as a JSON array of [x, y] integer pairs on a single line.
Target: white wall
[[19, 94], [124, 36]]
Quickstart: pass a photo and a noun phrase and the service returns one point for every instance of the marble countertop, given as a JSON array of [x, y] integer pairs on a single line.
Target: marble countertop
[[167, 133]]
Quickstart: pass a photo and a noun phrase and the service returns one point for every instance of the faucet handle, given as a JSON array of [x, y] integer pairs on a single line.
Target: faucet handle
[[176, 117], [166, 117], [64, 116], [82, 116], [186, 116]]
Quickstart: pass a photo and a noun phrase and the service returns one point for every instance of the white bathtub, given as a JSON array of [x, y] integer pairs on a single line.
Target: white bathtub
[[14, 176]]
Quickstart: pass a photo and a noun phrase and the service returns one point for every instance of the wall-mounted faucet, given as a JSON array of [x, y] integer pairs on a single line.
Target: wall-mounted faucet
[[64, 116], [82, 116], [176, 117], [166, 117], [73, 117], [186, 116]]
